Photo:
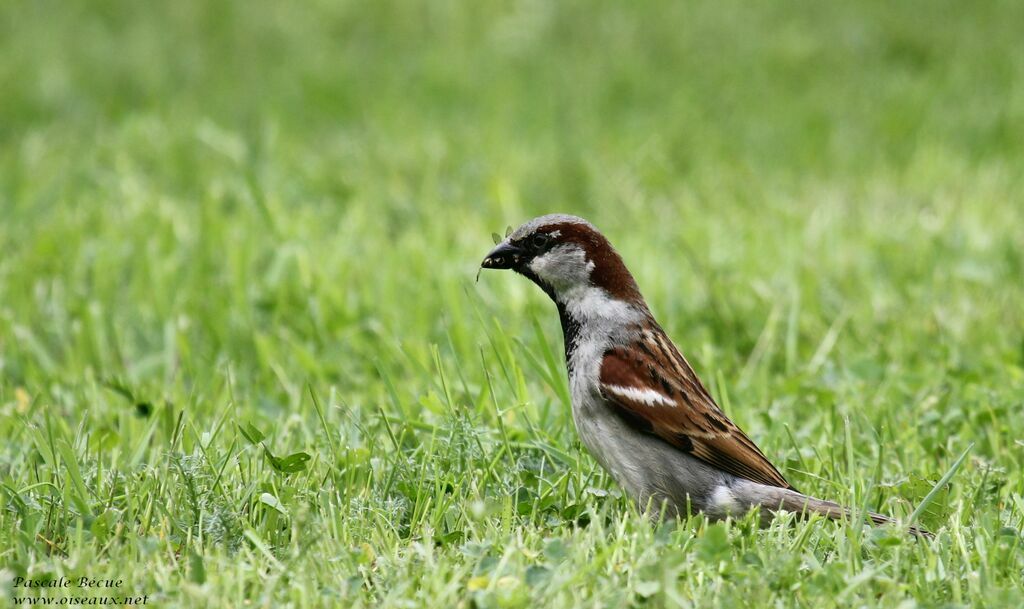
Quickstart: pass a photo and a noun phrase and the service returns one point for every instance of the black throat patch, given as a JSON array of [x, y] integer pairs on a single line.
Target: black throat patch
[[570, 333]]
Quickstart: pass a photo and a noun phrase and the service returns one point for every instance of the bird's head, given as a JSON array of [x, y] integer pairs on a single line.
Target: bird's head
[[567, 257]]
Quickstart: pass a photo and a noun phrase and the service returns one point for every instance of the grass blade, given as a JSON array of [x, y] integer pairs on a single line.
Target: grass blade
[[938, 485]]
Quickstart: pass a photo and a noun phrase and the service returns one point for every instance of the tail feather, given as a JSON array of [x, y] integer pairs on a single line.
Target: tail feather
[[792, 501]]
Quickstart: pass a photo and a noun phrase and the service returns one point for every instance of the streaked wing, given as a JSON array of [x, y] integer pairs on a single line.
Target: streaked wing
[[656, 390]]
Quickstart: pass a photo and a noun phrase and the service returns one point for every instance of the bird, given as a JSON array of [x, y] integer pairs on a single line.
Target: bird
[[638, 406]]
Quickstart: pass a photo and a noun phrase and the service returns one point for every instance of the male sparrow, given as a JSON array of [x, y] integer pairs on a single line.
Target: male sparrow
[[639, 407]]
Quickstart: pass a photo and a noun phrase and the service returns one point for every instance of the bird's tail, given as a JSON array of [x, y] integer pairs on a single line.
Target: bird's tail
[[792, 501]]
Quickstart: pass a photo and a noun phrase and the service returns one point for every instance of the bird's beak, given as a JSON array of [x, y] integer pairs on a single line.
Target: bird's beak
[[504, 256]]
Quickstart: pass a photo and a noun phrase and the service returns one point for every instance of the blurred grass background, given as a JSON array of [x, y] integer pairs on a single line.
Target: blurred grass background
[[213, 212]]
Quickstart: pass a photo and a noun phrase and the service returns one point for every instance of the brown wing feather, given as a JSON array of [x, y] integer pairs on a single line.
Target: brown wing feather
[[655, 388]]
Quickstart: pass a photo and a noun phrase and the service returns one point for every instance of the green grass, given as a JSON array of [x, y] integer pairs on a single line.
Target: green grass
[[222, 215]]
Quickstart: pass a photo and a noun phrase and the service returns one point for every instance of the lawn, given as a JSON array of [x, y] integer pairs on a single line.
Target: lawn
[[244, 361]]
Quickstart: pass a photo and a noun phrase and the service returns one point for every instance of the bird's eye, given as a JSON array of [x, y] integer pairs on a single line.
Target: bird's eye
[[540, 240]]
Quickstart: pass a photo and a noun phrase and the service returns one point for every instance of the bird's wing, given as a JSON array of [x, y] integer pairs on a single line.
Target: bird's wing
[[654, 388]]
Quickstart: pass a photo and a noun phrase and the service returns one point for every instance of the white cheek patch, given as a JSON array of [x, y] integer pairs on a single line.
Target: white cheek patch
[[563, 267], [648, 397]]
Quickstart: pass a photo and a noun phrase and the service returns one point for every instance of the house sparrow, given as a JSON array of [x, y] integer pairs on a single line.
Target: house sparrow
[[639, 407]]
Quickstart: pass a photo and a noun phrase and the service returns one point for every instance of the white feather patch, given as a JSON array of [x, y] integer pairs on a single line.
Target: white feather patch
[[593, 304], [648, 397], [723, 499]]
